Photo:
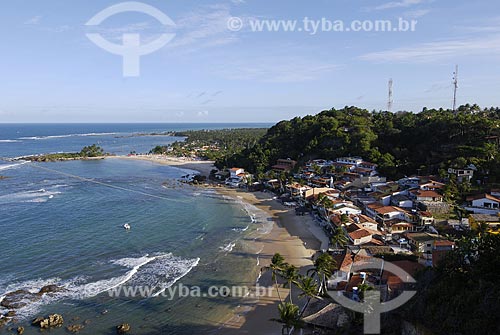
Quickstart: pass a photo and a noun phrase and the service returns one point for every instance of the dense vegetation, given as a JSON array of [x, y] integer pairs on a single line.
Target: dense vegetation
[[400, 143], [212, 144], [91, 151], [462, 295]]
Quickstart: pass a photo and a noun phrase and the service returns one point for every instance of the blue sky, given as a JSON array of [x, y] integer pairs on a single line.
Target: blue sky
[[51, 72]]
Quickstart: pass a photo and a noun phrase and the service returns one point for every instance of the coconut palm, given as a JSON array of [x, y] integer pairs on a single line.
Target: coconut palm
[[338, 238], [324, 266], [289, 316], [277, 266], [309, 289], [291, 275]]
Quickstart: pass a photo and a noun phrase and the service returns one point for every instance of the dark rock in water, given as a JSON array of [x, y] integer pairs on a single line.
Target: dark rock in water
[[104, 312], [123, 328], [18, 299], [3, 321], [75, 328], [20, 330], [87, 322], [50, 289], [54, 320], [10, 314]]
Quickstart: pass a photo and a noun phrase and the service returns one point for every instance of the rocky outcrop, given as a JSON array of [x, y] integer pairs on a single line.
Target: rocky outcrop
[[54, 320], [18, 299], [20, 330], [123, 328], [50, 289], [75, 328]]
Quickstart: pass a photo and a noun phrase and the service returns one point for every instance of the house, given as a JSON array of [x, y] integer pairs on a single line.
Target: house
[[483, 204], [346, 209], [401, 200], [493, 221], [431, 185], [236, 172], [360, 236], [425, 218], [284, 165], [383, 213], [428, 196], [463, 174], [296, 189], [356, 161], [401, 227], [409, 182], [425, 244]]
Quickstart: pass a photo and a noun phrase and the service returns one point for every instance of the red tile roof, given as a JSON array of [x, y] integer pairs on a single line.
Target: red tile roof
[[483, 196]]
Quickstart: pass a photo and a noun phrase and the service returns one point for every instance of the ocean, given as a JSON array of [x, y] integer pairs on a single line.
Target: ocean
[[62, 224]]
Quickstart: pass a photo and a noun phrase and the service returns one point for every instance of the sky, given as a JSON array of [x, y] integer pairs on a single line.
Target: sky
[[214, 70]]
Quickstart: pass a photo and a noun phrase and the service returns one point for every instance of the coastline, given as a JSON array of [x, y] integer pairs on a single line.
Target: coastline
[[290, 236], [203, 167], [297, 238]]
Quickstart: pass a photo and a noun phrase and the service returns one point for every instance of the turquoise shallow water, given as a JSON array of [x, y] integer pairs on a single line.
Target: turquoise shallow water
[[63, 230]]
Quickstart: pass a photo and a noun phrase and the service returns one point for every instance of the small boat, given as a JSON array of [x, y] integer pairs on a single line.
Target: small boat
[[126, 226]]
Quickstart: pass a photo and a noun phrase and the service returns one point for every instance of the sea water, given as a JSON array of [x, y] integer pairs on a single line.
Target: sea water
[[62, 223]]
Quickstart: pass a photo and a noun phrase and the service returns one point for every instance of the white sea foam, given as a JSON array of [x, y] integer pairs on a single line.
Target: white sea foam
[[64, 136], [241, 229], [36, 196], [228, 248], [158, 271], [11, 166], [8, 141]]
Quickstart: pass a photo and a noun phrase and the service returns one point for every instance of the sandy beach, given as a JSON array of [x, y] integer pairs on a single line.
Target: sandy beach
[[293, 238], [203, 167]]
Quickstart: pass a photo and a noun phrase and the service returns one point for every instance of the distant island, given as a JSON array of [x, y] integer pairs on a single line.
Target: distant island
[[88, 152]]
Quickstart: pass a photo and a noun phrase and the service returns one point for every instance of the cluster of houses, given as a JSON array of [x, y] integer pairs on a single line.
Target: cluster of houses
[[376, 217]]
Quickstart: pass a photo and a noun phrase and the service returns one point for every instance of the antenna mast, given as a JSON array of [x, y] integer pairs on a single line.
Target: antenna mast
[[390, 101], [455, 88]]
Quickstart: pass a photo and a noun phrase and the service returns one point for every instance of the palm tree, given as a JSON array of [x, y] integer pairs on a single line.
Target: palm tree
[[324, 266], [291, 275], [338, 239], [276, 267], [289, 316], [309, 289]]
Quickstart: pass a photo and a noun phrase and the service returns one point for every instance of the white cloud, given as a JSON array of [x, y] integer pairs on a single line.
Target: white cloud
[[277, 69], [399, 4], [34, 20], [429, 52], [202, 113], [415, 14], [487, 26]]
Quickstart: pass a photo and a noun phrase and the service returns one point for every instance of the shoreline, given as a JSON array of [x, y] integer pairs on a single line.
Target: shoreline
[[203, 167], [297, 238], [291, 236]]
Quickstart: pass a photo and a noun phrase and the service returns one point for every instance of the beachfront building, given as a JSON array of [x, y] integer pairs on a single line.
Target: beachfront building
[[237, 176]]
